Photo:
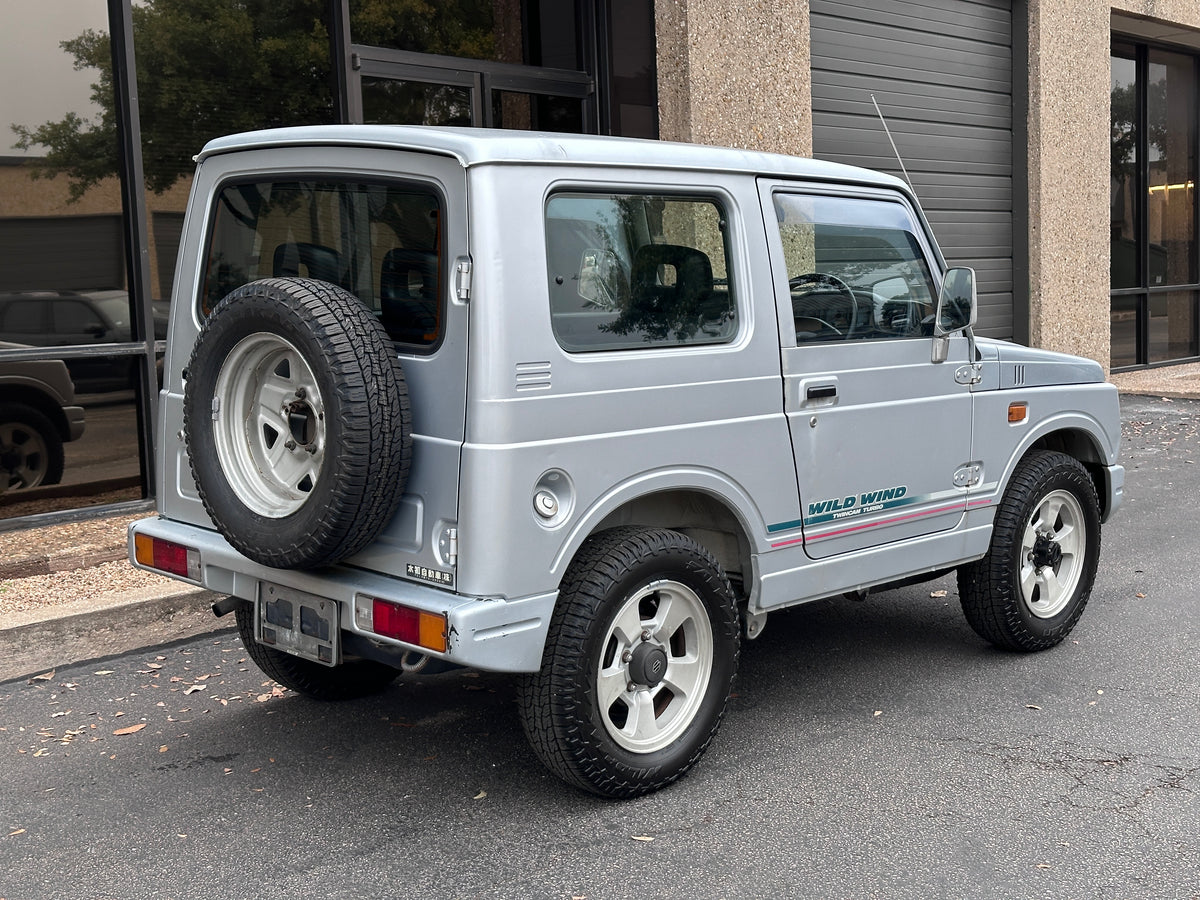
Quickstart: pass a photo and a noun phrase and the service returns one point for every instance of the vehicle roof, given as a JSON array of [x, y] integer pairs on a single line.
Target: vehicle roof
[[479, 146]]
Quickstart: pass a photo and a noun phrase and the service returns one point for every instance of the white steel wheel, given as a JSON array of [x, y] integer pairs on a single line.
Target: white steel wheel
[[269, 425], [297, 422], [1052, 554], [655, 667], [1030, 589], [638, 666]]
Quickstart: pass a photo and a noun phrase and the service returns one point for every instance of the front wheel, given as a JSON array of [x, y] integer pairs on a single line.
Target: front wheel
[[638, 666], [1031, 588]]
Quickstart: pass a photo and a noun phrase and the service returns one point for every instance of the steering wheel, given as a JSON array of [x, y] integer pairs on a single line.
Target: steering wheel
[[817, 280], [823, 327]]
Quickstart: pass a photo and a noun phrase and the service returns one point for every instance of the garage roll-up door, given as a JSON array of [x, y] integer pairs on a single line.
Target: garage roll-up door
[[942, 74], [61, 253]]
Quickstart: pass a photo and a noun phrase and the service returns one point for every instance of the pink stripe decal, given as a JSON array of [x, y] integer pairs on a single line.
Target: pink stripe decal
[[893, 521]]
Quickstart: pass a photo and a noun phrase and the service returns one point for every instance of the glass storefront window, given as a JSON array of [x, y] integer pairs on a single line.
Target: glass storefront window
[[536, 111], [1172, 326], [69, 416], [1153, 205], [1123, 331], [1123, 194], [394, 102], [1171, 202]]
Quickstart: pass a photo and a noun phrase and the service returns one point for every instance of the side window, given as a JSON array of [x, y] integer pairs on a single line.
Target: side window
[[855, 269], [629, 271], [380, 241], [75, 317], [23, 317]]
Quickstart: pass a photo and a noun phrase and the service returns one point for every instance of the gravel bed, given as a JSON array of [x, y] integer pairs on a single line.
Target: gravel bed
[[71, 539]]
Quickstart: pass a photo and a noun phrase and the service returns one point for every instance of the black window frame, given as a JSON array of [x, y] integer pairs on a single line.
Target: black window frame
[[1141, 295]]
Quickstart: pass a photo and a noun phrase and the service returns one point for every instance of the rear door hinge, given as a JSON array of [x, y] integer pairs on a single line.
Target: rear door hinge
[[462, 279], [452, 546]]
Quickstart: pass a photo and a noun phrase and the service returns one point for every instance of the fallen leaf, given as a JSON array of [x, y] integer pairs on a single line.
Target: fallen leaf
[[42, 752], [103, 672], [1031, 706], [1141, 596], [162, 749], [132, 729], [938, 593], [642, 837], [1043, 865], [195, 687], [480, 795], [879, 712], [46, 677], [153, 665], [15, 833]]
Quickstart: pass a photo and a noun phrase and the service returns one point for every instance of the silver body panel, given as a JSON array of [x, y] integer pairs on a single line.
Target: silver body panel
[[724, 441]]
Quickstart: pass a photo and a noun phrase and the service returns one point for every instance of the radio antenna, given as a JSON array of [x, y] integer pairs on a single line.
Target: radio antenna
[[888, 132]]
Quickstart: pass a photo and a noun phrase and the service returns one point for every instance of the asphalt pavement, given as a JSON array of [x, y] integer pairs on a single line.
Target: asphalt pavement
[[875, 749]]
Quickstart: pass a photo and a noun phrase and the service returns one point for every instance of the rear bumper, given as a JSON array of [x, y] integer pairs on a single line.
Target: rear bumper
[[492, 634]]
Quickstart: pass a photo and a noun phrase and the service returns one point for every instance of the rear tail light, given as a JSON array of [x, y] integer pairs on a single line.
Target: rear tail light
[[167, 556], [404, 623]]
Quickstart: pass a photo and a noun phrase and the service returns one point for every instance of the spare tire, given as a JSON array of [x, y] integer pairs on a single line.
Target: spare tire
[[297, 422]]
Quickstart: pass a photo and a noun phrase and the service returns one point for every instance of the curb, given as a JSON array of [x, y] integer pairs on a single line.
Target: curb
[[73, 638]]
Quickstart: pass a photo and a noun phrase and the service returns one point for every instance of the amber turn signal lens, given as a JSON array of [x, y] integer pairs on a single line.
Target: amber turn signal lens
[[1017, 412]]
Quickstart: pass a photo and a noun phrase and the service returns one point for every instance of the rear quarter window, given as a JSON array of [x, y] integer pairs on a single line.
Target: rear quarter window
[[629, 271]]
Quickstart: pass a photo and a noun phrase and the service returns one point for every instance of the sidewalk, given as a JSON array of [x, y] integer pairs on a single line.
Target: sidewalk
[[68, 593]]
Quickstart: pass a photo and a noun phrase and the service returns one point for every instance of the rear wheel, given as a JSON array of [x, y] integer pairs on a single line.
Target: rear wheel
[[1031, 588], [348, 681], [638, 666], [31, 449]]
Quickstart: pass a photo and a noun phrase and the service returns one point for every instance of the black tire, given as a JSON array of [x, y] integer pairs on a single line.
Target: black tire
[[640, 573], [346, 426], [348, 681], [31, 448], [1028, 592]]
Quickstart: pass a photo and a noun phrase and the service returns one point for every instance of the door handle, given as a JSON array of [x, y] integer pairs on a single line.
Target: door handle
[[821, 391]]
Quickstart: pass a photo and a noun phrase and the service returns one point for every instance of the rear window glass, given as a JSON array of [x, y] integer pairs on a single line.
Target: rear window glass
[[630, 271], [380, 241]]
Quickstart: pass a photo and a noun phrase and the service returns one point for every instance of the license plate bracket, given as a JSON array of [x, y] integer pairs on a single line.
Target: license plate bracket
[[298, 623]]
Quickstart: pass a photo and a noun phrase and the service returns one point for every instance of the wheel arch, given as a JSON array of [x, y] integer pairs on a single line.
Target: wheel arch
[[1083, 445], [707, 507], [42, 402]]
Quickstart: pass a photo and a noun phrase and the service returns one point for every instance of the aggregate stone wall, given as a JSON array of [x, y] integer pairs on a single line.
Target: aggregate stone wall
[[735, 73]]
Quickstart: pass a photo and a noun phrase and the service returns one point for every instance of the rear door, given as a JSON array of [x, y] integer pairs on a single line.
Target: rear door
[[390, 227], [880, 433]]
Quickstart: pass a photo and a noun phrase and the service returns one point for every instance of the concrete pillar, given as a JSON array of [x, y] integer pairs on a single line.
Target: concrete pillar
[[735, 73]]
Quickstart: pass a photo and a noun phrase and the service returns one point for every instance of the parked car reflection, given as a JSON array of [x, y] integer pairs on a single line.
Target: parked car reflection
[[69, 318], [38, 414]]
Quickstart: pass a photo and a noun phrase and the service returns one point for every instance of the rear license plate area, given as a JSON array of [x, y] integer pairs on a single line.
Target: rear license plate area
[[298, 623]]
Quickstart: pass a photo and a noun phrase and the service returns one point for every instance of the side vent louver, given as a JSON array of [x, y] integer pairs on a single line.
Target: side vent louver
[[533, 376]]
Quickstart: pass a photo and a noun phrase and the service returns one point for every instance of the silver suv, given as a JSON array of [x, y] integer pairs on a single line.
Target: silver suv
[[589, 410]]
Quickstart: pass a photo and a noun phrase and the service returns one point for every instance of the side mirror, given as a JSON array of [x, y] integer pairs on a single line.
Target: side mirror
[[957, 311], [957, 304]]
